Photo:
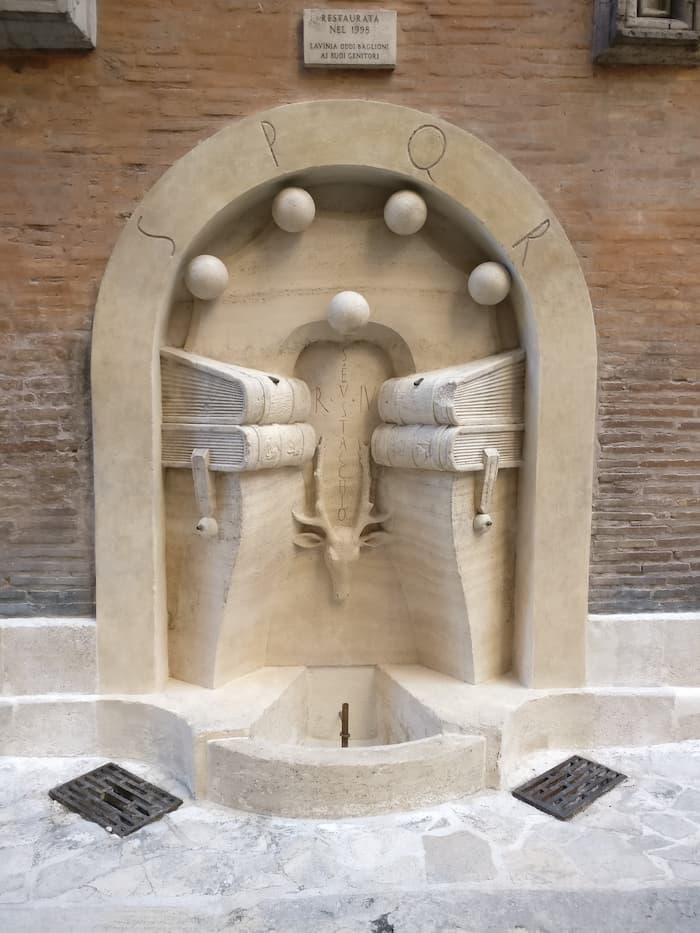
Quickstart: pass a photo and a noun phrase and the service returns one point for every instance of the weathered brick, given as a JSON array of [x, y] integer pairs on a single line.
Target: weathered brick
[[614, 151]]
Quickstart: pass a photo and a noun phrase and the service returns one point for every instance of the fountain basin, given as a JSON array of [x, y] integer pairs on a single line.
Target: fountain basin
[[381, 712], [185, 731], [292, 763], [328, 783]]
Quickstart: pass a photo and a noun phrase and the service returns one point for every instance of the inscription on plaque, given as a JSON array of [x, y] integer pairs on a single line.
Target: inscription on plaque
[[349, 38]]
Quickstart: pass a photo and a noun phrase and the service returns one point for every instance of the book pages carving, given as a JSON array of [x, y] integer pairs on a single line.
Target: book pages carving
[[457, 450], [199, 390], [484, 391], [236, 448]]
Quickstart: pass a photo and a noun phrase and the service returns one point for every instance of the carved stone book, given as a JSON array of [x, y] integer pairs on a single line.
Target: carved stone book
[[453, 449], [485, 391], [237, 449], [200, 390]]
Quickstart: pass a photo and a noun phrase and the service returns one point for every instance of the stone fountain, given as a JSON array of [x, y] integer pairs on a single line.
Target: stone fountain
[[344, 397]]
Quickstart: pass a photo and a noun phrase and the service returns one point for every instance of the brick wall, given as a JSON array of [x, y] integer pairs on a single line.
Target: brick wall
[[615, 152]]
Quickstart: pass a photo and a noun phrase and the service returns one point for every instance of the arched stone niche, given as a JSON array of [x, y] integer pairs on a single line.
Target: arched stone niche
[[217, 199]]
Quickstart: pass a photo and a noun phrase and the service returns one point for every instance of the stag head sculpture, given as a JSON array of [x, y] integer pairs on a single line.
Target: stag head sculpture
[[341, 544]]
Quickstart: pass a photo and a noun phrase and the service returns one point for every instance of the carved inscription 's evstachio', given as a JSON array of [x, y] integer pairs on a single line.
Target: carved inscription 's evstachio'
[[344, 380]]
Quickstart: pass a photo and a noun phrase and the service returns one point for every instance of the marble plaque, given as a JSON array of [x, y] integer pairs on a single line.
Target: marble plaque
[[349, 38]]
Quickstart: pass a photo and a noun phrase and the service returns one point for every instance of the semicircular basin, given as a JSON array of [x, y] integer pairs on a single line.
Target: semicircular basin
[[398, 757]]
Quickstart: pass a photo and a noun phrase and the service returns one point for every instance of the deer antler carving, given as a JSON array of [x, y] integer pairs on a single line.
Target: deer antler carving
[[341, 544], [320, 518]]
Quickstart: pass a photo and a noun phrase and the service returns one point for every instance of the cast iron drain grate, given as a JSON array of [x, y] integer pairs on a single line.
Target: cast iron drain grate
[[116, 799], [569, 788]]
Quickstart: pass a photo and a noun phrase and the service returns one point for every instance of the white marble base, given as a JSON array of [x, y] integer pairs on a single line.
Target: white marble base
[[644, 649], [641, 670], [47, 655], [58, 655], [177, 729]]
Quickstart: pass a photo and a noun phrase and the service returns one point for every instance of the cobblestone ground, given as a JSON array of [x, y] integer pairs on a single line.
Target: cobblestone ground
[[629, 863]]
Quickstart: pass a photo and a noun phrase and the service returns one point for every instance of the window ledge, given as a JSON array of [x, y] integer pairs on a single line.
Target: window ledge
[[620, 37], [48, 24]]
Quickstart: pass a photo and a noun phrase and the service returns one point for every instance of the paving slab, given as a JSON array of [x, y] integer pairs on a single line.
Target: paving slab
[[631, 861]]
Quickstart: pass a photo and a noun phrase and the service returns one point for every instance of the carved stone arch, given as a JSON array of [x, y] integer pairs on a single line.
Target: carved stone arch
[[504, 214]]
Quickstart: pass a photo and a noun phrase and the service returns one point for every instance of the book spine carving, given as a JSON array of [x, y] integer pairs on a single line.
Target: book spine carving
[[244, 419], [239, 448], [487, 390], [199, 390], [445, 420], [429, 447]]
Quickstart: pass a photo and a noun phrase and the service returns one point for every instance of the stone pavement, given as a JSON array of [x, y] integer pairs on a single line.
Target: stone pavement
[[628, 864]]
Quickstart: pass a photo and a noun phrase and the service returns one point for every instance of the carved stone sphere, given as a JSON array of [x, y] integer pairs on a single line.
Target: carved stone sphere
[[293, 210], [489, 283], [405, 213], [348, 312], [207, 527], [482, 523], [206, 277]]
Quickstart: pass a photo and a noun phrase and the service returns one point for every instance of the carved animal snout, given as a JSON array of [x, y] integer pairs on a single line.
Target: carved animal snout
[[339, 566], [341, 543], [341, 550]]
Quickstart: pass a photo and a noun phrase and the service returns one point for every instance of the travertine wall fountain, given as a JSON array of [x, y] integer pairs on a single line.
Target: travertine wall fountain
[[343, 395], [437, 590]]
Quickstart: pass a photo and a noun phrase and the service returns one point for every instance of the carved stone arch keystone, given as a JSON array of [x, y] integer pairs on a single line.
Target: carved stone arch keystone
[[504, 214]]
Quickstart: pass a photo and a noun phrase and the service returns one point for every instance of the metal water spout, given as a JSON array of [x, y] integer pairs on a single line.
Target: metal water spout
[[344, 715]]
